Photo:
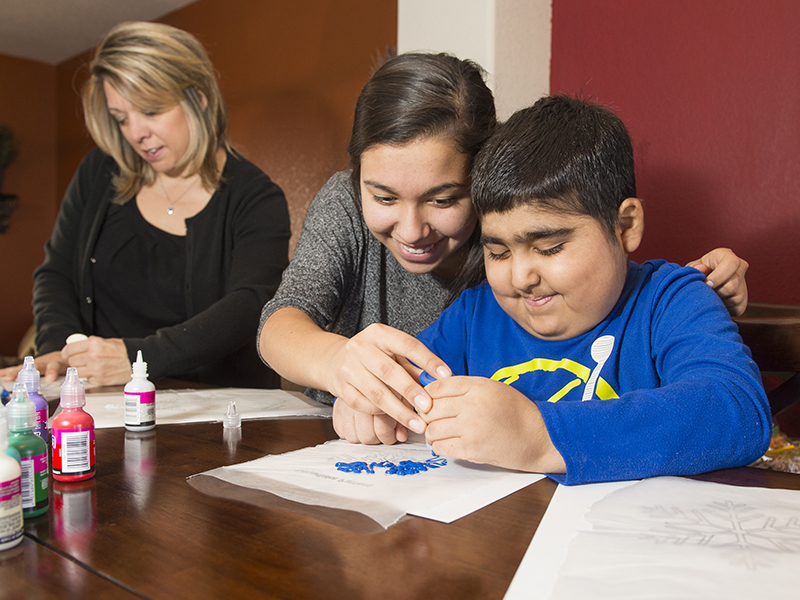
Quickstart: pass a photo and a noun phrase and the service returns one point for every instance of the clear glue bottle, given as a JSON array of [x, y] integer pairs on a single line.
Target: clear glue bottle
[[72, 433], [30, 377], [21, 414], [10, 492], [140, 399]]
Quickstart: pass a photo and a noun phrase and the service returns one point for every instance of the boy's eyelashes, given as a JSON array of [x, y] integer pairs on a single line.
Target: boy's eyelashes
[[498, 254]]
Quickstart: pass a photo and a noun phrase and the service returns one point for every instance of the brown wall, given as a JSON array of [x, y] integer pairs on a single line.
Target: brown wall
[[28, 107], [290, 73]]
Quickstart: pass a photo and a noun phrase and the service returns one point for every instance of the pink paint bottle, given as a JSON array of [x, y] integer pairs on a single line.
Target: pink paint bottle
[[72, 433]]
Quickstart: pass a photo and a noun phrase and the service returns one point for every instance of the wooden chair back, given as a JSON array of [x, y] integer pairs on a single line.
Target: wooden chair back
[[772, 332]]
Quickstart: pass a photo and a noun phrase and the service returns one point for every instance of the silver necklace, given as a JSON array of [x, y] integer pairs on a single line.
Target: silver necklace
[[170, 209]]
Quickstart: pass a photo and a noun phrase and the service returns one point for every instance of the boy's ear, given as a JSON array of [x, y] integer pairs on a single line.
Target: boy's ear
[[630, 227]]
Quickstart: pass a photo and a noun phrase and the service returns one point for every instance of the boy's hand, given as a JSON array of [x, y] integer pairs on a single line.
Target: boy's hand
[[485, 421], [362, 428], [725, 274]]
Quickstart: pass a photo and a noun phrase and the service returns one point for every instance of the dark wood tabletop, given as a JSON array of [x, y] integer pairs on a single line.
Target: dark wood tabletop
[[139, 529]]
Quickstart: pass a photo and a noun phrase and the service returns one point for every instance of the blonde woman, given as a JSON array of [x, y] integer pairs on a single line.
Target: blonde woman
[[167, 240]]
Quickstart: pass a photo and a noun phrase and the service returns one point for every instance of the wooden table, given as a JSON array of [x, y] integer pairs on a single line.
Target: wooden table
[[138, 529]]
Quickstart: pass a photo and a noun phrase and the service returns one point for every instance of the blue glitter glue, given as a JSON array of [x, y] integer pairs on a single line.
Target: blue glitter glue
[[405, 467]]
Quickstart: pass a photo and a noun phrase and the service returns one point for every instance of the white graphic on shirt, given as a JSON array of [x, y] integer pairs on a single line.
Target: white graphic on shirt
[[601, 350]]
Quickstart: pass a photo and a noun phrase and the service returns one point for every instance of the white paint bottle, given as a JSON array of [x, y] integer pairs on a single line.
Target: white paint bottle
[[140, 399], [10, 492]]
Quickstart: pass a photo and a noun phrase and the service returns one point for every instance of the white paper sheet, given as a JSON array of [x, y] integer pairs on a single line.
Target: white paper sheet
[[564, 517], [193, 406], [310, 476], [664, 538], [49, 390]]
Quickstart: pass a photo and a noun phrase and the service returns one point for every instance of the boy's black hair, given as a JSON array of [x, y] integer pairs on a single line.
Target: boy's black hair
[[563, 153]]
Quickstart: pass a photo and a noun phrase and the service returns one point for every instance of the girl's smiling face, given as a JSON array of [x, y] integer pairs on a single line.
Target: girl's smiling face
[[415, 201], [557, 274]]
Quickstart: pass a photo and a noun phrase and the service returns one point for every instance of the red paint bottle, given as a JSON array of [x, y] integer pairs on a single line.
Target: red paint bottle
[[72, 433]]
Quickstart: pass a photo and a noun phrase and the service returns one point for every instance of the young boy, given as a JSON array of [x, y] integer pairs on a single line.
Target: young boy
[[572, 360]]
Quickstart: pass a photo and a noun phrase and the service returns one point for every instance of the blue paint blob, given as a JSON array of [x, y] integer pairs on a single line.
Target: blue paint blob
[[404, 467]]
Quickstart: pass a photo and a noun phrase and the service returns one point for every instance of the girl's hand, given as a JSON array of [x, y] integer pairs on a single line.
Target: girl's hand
[[725, 274], [485, 421], [365, 371], [363, 428]]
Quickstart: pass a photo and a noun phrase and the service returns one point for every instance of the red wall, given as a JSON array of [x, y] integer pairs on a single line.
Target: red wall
[[710, 92]]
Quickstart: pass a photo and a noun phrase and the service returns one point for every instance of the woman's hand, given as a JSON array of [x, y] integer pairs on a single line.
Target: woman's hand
[[485, 421], [51, 366], [363, 428], [725, 274], [103, 361]]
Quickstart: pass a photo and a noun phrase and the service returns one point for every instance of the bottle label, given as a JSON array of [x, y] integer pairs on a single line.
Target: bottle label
[[140, 408], [34, 482], [73, 451], [10, 511], [41, 416]]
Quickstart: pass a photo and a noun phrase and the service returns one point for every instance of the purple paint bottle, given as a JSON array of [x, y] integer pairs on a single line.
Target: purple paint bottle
[[30, 377]]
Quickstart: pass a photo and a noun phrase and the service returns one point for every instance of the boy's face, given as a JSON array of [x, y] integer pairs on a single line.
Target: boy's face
[[556, 274]]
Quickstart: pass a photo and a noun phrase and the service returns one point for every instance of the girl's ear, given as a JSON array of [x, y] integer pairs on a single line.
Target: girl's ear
[[630, 225]]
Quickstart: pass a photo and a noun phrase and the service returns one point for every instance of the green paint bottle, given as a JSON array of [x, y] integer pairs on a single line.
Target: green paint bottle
[[21, 413]]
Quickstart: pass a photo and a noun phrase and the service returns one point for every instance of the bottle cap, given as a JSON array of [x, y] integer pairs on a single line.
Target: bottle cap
[[21, 411], [232, 418], [73, 394], [139, 367], [29, 375]]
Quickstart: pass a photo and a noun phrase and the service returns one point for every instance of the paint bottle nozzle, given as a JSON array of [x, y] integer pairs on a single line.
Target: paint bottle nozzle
[[232, 418]]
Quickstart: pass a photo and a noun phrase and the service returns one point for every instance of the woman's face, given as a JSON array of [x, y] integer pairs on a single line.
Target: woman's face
[[161, 139], [415, 200]]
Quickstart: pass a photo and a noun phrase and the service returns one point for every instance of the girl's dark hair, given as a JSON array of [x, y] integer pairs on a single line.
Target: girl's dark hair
[[419, 95]]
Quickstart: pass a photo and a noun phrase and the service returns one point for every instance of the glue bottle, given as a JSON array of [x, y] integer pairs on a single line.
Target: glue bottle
[[30, 377], [21, 414], [140, 399], [73, 433], [10, 493]]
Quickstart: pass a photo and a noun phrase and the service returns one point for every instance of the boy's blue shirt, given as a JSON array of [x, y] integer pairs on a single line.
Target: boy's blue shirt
[[678, 395]]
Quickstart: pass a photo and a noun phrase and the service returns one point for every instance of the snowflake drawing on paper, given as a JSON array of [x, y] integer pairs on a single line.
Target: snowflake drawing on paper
[[745, 534]]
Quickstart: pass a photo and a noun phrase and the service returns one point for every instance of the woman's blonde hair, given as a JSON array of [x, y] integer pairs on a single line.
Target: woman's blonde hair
[[155, 66]]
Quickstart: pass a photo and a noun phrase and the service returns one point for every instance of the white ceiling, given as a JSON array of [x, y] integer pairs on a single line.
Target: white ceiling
[[51, 31]]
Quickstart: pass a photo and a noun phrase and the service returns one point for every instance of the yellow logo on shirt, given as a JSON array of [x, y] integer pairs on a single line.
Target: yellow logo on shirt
[[509, 375]]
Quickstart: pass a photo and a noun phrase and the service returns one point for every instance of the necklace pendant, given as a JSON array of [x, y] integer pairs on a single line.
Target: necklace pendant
[[169, 210]]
